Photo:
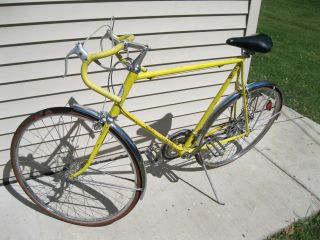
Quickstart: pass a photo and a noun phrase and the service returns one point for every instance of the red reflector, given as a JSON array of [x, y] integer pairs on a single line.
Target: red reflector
[[269, 105]]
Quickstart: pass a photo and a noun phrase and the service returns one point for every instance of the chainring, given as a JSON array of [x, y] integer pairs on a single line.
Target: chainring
[[178, 138]]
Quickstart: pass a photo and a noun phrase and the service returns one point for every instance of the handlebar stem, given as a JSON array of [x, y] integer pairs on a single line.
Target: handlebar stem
[[136, 65]]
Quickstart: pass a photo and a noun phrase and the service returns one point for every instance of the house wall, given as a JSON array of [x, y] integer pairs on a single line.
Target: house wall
[[36, 36]]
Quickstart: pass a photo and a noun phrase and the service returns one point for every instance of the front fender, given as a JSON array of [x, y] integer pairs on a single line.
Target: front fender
[[121, 134]]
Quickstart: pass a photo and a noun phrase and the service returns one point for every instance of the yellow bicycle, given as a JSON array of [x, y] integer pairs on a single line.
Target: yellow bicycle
[[79, 166]]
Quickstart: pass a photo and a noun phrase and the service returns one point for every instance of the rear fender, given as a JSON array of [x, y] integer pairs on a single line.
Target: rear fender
[[232, 97]]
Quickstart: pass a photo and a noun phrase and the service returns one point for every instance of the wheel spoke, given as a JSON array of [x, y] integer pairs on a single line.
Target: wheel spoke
[[96, 183], [233, 121]]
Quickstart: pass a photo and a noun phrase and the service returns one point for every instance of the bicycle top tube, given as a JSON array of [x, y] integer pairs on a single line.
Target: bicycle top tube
[[125, 41]]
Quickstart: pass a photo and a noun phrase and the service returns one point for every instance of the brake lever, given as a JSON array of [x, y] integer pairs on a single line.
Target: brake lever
[[77, 50]]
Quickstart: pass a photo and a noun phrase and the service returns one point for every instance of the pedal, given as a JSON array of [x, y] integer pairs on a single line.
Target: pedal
[[217, 149], [153, 155]]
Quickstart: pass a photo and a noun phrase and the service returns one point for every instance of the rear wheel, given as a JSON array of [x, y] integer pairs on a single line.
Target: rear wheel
[[52, 144], [264, 105]]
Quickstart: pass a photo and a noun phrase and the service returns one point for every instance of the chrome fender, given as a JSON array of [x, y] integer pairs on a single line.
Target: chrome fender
[[233, 96]]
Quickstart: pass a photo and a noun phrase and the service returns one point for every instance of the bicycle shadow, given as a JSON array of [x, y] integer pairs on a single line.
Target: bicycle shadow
[[10, 184], [40, 171], [168, 168], [18, 193], [37, 168], [164, 169]]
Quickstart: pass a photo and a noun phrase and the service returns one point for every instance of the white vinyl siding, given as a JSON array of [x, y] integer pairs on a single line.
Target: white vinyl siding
[[36, 36]]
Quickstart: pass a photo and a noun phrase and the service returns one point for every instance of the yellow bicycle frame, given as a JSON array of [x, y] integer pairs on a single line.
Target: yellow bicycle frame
[[132, 77]]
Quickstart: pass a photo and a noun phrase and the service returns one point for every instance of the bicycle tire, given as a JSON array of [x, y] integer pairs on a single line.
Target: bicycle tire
[[53, 143], [219, 153]]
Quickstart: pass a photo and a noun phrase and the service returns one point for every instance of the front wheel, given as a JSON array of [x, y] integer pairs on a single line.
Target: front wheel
[[52, 144], [264, 104]]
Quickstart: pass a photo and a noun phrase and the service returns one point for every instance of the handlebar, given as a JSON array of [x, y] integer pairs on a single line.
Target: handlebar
[[83, 54], [107, 53], [121, 43], [98, 55]]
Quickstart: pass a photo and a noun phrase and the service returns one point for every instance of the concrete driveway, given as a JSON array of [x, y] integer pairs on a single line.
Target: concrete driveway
[[265, 190]]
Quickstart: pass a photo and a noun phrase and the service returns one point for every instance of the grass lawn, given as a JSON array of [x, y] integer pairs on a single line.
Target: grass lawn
[[293, 63], [294, 26], [307, 229]]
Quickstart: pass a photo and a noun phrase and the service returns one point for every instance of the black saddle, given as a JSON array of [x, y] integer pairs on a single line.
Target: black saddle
[[255, 43]]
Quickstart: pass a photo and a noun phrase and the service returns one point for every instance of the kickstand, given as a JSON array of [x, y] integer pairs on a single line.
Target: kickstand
[[211, 184]]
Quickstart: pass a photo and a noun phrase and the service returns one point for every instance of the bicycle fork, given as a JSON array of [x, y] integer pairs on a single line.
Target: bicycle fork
[[96, 148]]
